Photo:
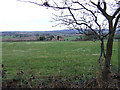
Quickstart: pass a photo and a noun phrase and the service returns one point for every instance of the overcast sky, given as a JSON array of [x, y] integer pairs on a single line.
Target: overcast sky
[[20, 16]]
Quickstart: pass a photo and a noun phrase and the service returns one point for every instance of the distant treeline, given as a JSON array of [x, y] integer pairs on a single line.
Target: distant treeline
[[37, 33], [62, 35]]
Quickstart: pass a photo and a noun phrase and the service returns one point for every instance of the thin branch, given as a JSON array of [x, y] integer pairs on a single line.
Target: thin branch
[[116, 12], [31, 2], [82, 23], [91, 13], [99, 61], [102, 52], [90, 28], [98, 2], [116, 21], [48, 5], [72, 15], [102, 47], [102, 10], [105, 7], [106, 35]]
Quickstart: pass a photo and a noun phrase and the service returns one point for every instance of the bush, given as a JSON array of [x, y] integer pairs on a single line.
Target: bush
[[117, 36], [91, 37], [42, 38], [29, 80]]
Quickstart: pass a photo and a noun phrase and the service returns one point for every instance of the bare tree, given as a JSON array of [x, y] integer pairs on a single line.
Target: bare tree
[[89, 15]]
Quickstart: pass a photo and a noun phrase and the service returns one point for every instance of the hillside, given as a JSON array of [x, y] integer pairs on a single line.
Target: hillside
[[38, 33]]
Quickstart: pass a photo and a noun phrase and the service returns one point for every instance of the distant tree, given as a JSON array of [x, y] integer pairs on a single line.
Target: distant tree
[[51, 37], [42, 38], [92, 16], [58, 37]]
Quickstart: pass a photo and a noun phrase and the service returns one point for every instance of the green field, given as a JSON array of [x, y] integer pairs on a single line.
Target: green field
[[70, 38], [8, 37], [53, 58]]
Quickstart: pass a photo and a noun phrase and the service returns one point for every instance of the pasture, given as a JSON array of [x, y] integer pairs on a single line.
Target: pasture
[[53, 57]]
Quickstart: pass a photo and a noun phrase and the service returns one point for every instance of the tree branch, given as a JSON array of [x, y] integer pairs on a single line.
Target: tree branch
[[90, 28], [105, 7], [102, 10], [116, 12], [82, 23], [72, 15], [48, 5], [105, 35], [91, 13], [31, 2], [116, 21]]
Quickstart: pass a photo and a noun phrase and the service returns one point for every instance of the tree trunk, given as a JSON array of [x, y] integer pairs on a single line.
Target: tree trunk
[[109, 46], [106, 69]]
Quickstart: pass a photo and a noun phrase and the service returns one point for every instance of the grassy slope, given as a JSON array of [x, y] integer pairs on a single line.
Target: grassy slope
[[51, 58], [71, 38], [8, 37]]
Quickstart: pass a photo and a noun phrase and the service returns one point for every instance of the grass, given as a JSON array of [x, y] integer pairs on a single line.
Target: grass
[[71, 38], [8, 37], [52, 58]]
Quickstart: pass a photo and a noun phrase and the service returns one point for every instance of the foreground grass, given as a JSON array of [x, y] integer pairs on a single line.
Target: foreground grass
[[52, 58]]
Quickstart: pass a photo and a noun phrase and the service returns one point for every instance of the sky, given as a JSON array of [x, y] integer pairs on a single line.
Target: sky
[[20, 16]]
